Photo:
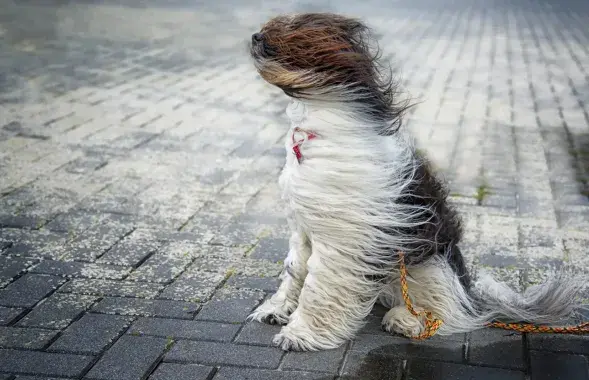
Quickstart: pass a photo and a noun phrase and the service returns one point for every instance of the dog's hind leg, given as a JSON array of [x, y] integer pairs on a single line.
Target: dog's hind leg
[[333, 303], [279, 307]]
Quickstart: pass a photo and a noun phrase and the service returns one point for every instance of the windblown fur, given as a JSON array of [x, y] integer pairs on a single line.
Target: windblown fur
[[360, 195]]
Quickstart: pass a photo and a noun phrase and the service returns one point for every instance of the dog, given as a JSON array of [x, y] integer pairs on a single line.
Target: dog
[[358, 195]]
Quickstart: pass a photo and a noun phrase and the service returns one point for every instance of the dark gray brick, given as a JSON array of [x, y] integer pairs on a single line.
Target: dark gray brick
[[437, 348], [268, 284], [556, 366], [10, 267], [147, 308], [559, 342], [16, 337], [222, 353], [28, 290], [36, 378], [228, 373], [177, 328], [174, 371], [76, 269], [43, 363], [130, 358], [360, 366], [91, 333], [75, 221], [57, 311], [231, 307], [94, 241], [131, 250], [167, 263], [258, 333], [420, 370], [495, 347], [39, 244], [8, 314], [322, 361], [112, 288], [273, 249], [193, 286]]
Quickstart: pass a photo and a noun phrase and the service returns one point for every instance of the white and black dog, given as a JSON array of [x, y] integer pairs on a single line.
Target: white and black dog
[[357, 194]]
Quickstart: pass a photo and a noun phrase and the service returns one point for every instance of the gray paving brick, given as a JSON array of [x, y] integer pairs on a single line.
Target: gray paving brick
[[436, 348], [76, 269], [10, 267], [559, 343], [222, 353], [273, 249], [324, 361], [449, 371], [57, 311], [8, 314], [94, 241], [193, 285], [28, 290], [39, 244], [554, 366], [35, 378], [173, 371], [147, 308], [268, 284], [184, 329], [371, 367], [90, 334], [112, 288], [258, 333], [167, 263], [229, 373], [43, 363], [129, 358], [131, 250], [231, 306], [495, 347], [16, 337]]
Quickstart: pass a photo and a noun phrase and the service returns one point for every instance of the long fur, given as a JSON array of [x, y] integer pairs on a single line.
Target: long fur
[[361, 195]]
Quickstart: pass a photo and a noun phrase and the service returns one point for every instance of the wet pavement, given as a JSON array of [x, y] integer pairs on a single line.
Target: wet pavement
[[140, 220]]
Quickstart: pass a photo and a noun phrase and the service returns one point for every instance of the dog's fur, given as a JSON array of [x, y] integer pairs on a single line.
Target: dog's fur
[[361, 195]]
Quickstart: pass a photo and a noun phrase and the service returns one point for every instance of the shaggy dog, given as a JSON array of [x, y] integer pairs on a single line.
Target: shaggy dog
[[357, 194]]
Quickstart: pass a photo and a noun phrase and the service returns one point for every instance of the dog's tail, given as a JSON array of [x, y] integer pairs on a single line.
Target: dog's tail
[[463, 309], [550, 302]]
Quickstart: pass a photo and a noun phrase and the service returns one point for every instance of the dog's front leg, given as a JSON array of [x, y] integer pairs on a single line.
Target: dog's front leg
[[279, 307], [333, 303]]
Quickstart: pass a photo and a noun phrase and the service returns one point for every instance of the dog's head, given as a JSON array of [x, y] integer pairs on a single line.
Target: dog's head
[[314, 53]]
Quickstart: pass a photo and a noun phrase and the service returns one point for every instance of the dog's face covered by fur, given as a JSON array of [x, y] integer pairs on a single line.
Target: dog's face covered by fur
[[325, 57]]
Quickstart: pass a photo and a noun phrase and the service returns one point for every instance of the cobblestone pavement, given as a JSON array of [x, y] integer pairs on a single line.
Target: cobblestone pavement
[[139, 210]]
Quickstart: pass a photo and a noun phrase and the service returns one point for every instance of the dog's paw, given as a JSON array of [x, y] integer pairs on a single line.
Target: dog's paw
[[271, 313], [399, 320], [288, 341]]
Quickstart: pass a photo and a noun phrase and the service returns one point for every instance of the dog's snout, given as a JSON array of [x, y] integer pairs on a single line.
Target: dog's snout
[[257, 37]]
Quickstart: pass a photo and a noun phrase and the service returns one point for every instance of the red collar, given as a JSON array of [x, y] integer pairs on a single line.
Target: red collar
[[296, 144]]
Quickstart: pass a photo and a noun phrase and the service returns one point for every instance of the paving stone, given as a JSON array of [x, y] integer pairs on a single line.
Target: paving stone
[[90, 334], [8, 314], [197, 286], [559, 343], [371, 367], [94, 242], [132, 250], [436, 348], [231, 306], [323, 361], [555, 366], [222, 353], [272, 249], [39, 244], [34, 378], [129, 358], [28, 290], [184, 329], [112, 288], [229, 373], [16, 337], [419, 370], [43, 363], [85, 270], [268, 284], [173, 371], [495, 347], [57, 311], [10, 267], [258, 333], [147, 308]]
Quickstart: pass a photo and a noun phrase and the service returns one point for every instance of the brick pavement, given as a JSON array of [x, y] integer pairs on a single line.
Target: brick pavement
[[139, 214]]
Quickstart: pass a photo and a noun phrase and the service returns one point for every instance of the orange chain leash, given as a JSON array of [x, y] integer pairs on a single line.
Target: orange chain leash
[[433, 324]]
